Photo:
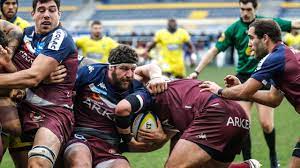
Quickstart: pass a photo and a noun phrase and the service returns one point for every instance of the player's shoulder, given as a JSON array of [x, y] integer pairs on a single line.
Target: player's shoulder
[[181, 30]]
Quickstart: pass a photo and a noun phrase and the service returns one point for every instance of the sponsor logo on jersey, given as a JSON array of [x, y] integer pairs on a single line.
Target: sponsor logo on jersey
[[202, 136], [57, 39], [98, 107], [91, 69], [238, 122], [102, 85], [40, 46]]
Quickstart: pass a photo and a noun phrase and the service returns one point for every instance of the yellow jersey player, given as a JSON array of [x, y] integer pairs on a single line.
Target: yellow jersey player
[[9, 10], [97, 46], [171, 41]]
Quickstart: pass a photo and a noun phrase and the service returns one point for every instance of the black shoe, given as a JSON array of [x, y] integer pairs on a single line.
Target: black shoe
[[274, 162]]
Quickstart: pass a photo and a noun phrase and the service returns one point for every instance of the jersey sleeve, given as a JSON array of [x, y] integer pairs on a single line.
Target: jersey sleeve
[[269, 67], [285, 25], [157, 37], [144, 98], [186, 36], [113, 44], [79, 42], [226, 39], [59, 45]]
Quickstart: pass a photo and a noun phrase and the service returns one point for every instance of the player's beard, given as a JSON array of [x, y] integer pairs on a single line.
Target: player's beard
[[119, 83], [261, 51]]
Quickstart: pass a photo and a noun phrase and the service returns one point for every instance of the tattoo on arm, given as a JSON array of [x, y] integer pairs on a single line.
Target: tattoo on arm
[[13, 34]]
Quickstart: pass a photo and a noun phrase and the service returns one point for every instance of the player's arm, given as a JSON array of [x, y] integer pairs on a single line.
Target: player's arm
[[205, 60], [40, 69], [243, 91], [13, 34], [272, 97]]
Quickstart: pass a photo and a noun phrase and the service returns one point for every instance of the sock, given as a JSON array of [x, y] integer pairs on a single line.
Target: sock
[[246, 148], [270, 139], [239, 165]]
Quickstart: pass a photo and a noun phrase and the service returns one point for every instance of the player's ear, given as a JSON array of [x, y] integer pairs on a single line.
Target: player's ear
[[265, 37]]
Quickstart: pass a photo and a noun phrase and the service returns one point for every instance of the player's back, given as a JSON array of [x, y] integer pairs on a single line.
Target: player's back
[[180, 101]]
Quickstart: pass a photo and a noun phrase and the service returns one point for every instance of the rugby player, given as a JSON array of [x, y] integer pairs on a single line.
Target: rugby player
[[12, 126], [236, 36], [9, 9], [46, 114], [171, 41], [278, 65], [99, 88], [97, 46], [212, 129]]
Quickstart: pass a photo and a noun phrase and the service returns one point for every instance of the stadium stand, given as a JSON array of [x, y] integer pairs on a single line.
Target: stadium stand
[[67, 8]]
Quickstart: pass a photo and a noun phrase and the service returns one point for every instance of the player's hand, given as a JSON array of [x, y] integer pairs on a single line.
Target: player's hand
[[57, 76], [136, 146], [157, 85], [156, 136], [17, 94], [5, 56], [231, 80], [193, 75], [210, 86]]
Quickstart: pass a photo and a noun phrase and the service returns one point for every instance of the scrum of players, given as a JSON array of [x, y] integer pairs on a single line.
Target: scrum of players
[[61, 110]]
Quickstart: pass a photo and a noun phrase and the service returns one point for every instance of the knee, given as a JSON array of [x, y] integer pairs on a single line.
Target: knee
[[38, 163], [172, 164], [267, 126], [76, 158]]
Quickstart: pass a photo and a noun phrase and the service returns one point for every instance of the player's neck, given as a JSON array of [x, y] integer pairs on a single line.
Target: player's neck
[[96, 37]]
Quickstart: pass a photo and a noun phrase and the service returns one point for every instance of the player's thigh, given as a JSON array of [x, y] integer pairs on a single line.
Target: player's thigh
[[78, 155], [246, 105], [187, 154], [114, 163]]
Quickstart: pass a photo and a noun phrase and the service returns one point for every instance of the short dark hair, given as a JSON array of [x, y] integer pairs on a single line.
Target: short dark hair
[[268, 27], [34, 3], [254, 2], [95, 22], [3, 40], [123, 54]]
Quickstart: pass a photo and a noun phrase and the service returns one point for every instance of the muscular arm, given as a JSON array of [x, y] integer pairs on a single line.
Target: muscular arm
[[146, 72], [191, 47], [13, 34], [40, 69], [243, 91], [207, 58], [271, 98]]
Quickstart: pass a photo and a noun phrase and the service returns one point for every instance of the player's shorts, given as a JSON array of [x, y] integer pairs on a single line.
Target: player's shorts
[[296, 151], [219, 129], [101, 150], [244, 77], [59, 120]]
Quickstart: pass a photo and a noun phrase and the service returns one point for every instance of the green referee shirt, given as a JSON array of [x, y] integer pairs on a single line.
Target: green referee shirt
[[236, 35]]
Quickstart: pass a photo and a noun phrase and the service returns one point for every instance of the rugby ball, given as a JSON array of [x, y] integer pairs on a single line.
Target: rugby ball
[[147, 120]]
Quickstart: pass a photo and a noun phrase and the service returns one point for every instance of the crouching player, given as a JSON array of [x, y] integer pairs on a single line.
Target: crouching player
[[212, 129]]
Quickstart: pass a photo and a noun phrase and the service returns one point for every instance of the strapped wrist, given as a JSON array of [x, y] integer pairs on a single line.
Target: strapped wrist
[[220, 91], [197, 72]]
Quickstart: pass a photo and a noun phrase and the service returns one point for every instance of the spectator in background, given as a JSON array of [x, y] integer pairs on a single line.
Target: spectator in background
[[9, 9], [292, 39], [171, 41], [97, 46]]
